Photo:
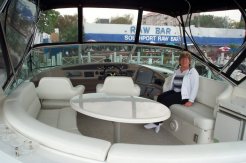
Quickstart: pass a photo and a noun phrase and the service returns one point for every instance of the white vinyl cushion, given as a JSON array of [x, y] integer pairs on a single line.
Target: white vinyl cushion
[[54, 138], [234, 99], [64, 118], [167, 83], [15, 112], [119, 85], [206, 153], [201, 113], [54, 104], [209, 90], [58, 88], [198, 115], [27, 98]]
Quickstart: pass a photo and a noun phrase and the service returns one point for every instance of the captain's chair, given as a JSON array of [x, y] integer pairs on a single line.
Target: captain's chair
[[119, 85], [57, 91]]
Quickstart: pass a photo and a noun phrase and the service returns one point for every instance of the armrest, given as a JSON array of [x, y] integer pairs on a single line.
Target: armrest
[[80, 89], [137, 90], [226, 94], [99, 88]]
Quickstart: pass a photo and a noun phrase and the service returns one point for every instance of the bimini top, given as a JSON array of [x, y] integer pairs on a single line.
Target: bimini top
[[170, 7]]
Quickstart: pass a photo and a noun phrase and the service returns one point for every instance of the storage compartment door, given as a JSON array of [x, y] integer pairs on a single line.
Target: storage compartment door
[[227, 128]]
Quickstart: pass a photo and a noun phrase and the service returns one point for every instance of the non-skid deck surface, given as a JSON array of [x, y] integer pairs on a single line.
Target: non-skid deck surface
[[130, 133]]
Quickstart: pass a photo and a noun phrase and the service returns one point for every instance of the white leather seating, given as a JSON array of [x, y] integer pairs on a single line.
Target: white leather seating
[[119, 85], [57, 91], [195, 124], [21, 111], [233, 98]]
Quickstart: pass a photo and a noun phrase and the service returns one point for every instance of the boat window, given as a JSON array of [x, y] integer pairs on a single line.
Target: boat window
[[60, 25], [109, 25], [218, 34], [1, 2], [161, 59], [204, 71], [240, 72], [3, 71], [20, 22], [158, 28]]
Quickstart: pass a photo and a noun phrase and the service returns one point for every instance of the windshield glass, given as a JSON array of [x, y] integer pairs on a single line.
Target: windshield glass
[[59, 25], [45, 57], [109, 25], [158, 28], [218, 34], [20, 22], [215, 37]]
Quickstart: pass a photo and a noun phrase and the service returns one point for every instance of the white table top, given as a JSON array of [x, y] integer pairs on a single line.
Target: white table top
[[124, 109]]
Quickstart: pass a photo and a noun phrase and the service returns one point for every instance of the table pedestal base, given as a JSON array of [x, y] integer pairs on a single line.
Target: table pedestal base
[[116, 132]]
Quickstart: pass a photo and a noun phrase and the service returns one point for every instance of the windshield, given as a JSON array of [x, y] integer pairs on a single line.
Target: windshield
[[107, 25], [214, 37], [46, 57], [217, 34]]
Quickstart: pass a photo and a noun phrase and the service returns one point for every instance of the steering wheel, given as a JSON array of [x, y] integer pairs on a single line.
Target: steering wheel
[[107, 68]]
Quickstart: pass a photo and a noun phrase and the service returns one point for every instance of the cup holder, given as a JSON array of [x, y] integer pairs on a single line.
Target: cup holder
[[174, 126]]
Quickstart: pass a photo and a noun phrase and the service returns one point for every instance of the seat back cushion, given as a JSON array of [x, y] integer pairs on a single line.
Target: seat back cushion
[[238, 97], [120, 85], [27, 97], [209, 90], [167, 83], [57, 88]]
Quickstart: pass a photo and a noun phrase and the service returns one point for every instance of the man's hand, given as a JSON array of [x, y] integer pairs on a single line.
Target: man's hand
[[188, 104]]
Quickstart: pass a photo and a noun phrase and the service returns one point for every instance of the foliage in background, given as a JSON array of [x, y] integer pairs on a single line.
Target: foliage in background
[[126, 19], [67, 25], [48, 21], [68, 28], [211, 21]]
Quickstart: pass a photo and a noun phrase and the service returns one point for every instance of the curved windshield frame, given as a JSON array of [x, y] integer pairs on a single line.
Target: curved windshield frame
[[217, 34], [20, 25], [217, 38], [214, 45], [161, 59]]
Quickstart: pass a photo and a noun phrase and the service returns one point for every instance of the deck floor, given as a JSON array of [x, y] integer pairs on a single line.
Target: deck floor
[[130, 133]]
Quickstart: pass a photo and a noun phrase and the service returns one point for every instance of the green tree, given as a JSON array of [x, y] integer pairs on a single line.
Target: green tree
[[211, 21], [102, 21], [241, 24], [68, 28], [48, 21], [126, 19]]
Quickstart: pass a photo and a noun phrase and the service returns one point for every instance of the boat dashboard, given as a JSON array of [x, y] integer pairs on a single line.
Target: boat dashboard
[[98, 71], [89, 75]]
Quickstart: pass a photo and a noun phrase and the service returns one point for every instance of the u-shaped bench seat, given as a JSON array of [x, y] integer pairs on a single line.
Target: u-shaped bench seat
[[54, 94], [22, 111], [195, 124], [22, 107]]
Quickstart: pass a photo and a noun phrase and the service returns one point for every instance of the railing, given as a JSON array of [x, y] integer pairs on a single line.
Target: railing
[[82, 54], [41, 60]]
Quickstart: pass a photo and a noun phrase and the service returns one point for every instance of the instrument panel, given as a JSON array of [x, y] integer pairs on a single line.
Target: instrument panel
[[99, 71]]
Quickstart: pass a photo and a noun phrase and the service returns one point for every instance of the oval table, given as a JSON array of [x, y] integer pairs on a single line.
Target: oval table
[[120, 109]]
